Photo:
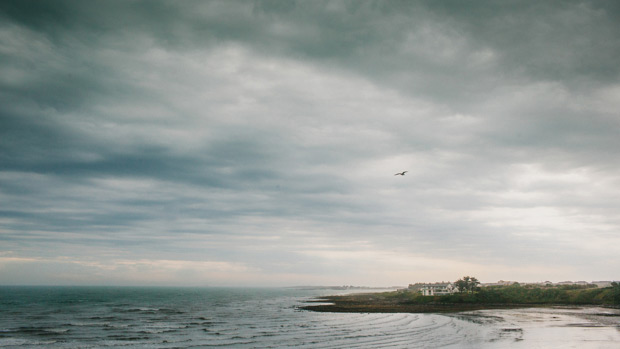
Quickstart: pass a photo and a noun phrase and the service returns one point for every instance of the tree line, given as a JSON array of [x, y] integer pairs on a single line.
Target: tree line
[[470, 292], [467, 284]]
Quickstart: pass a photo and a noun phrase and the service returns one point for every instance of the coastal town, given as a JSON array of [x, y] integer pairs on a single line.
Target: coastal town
[[468, 294], [446, 288]]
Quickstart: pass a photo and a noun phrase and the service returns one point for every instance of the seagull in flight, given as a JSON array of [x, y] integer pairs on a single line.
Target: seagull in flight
[[401, 173]]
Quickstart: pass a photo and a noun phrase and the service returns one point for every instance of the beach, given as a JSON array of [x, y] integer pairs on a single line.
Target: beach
[[168, 317]]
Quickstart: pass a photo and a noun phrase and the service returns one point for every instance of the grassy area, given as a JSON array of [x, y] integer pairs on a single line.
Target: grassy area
[[483, 298], [517, 294]]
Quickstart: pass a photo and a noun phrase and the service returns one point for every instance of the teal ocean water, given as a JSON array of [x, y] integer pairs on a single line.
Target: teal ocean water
[[99, 317]]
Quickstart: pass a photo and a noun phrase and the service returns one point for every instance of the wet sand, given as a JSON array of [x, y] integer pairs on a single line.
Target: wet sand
[[501, 326], [546, 327]]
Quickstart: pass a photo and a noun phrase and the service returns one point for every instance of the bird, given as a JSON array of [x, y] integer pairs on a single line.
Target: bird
[[401, 173]]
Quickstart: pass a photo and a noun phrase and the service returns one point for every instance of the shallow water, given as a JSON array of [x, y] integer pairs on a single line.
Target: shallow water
[[94, 317], [557, 327]]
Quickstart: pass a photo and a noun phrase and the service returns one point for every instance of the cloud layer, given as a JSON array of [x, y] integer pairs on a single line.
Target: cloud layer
[[237, 143]]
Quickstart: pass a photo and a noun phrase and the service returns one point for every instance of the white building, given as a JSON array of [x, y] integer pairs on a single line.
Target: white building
[[602, 284], [499, 283], [437, 289]]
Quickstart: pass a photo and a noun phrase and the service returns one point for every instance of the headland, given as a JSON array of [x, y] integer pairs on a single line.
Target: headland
[[498, 297]]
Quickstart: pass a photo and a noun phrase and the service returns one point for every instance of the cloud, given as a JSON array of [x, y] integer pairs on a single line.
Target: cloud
[[68, 270], [236, 133]]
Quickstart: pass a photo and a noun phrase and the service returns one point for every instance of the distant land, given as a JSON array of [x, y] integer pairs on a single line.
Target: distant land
[[345, 287], [507, 295]]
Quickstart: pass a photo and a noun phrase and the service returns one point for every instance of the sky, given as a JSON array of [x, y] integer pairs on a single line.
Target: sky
[[254, 143]]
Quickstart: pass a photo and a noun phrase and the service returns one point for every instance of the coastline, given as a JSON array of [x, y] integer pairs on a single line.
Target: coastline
[[374, 303], [340, 304]]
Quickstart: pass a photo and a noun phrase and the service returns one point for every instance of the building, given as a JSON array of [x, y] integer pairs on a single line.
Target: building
[[602, 284], [499, 283], [416, 287], [437, 289]]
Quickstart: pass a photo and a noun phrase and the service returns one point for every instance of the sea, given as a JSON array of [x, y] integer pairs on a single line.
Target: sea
[[169, 317]]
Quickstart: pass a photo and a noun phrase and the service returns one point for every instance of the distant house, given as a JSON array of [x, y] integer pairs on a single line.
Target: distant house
[[602, 284], [416, 287], [499, 283], [437, 289]]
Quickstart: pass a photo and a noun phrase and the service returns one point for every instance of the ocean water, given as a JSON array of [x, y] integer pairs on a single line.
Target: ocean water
[[99, 317]]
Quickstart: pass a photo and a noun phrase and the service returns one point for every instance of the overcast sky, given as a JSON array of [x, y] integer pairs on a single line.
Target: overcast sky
[[255, 142]]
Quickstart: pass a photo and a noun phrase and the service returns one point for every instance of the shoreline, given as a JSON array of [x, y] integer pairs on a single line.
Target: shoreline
[[366, 303]]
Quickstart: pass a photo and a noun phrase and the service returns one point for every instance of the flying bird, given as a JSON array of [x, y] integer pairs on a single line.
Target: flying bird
[[401, 173]]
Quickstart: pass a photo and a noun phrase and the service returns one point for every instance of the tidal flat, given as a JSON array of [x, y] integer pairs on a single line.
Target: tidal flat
[[375, 303], [495, 325]]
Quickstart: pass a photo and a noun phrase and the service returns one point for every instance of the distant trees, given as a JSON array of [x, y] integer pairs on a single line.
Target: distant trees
[[467, 284], [615, 291], [516, 294]]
